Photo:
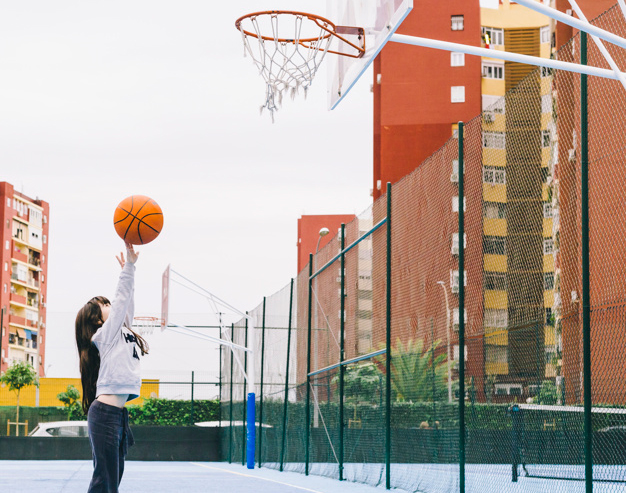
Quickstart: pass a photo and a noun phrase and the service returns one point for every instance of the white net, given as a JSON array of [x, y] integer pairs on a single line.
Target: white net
[[146, 325], [287, 48]]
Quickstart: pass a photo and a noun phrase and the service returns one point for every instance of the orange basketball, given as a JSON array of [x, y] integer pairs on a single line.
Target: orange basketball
[[138, 219]]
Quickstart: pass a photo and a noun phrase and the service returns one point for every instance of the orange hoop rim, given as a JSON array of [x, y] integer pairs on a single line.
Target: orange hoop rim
[[321, 22]]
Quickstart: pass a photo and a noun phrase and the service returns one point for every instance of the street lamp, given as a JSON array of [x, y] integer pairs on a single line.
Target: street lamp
[[323, 232], [445, 294]]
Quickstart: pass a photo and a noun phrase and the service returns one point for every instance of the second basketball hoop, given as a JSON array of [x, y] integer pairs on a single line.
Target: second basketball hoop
[[288, 47]]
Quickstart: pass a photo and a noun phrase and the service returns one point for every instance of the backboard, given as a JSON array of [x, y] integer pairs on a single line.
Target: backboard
[[380, 19]]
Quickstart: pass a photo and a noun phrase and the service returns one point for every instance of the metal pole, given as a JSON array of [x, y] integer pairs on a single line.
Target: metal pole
[[192, 382], [245, 406], [388, 346], [461, 316], [286, 401], [432, 369], [503, 55], [342, 368], [584, 202], [308, 378], [230, 411], [219, 388], [261, 388]]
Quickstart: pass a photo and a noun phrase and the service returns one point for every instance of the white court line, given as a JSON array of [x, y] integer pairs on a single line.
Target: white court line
[[256, 477]]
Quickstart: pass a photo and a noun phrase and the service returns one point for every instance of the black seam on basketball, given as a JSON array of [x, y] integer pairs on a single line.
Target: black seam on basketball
[[132, 205], [146, 224], [135, 217], [128, 213]]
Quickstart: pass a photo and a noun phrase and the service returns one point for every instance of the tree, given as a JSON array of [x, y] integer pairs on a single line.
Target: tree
[[19, 375], [70, 399], [417, 376], [548, 393]]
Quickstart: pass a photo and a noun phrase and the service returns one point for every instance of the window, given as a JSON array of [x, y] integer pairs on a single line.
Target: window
[[455, 353], [496, 354], [548, 246], [494, 245], [544, 34], [493, 70], [547, 210], [455, 243], [8, 202], [6, 267], [496, 318], [549, 320], [493, 36], [455, 204], [494, 210], [455, 130], [546, 72], [546, 103], [508, 389], [495, 281], [457, 22], [493, 103], [454, 280], [548, 281], [494, 140], [457, 59], [8, 245], [545, 138], [494, 175], [455, 317], [457, 94]]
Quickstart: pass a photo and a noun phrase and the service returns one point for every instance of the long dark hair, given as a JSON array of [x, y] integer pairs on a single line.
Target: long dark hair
[[88, 321]]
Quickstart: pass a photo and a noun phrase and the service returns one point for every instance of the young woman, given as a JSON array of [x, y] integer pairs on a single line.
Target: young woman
[[109, 367]]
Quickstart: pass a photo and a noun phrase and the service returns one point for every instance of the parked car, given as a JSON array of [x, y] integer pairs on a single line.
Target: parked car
[[60, 429]]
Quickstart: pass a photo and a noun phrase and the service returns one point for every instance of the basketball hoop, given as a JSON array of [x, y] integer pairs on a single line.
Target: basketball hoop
[[289, 52], [146, 325]]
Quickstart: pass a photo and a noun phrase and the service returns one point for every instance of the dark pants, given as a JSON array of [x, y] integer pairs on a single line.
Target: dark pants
[[110, 437]]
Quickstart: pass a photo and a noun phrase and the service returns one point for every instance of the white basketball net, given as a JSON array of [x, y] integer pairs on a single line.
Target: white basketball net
[[146, 325], [287, 66]]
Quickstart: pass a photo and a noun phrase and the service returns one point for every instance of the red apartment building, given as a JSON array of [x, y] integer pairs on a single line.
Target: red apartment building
[[23, 279], [420, 93], [607, 218], [308, 233]]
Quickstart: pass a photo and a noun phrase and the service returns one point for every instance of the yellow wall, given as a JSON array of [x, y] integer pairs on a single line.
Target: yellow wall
[[512, 16], [494, 193], [49, 388]]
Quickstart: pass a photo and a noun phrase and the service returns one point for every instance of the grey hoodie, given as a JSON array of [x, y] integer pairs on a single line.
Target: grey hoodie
[[119, 353]]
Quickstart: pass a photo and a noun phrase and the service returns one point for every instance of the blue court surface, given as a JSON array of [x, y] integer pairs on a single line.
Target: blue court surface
[[155, 477], [172, 477]]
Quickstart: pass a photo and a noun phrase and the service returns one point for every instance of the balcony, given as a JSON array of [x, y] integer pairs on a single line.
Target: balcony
[[16, 298], [31, 323], [14, 319], [32, 260], [18, 255]]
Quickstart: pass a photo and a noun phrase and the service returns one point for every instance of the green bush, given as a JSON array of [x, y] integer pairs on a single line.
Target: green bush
[[166, 412]]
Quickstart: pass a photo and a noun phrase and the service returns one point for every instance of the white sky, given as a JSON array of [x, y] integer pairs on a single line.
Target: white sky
[[101, 100]]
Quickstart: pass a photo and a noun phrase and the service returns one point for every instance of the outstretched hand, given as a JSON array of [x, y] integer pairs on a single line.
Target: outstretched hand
[[130, 253]]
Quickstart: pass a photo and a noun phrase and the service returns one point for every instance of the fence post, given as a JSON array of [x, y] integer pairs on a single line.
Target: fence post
[[286, 401], [342, 368], [308, 378], [388, 347], [192, 384], [261, 387], [244, 419], [584, 203], [461, 314], [230, 411]]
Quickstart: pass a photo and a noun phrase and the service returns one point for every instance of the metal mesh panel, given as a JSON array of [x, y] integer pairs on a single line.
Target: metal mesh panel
[[523, 309]]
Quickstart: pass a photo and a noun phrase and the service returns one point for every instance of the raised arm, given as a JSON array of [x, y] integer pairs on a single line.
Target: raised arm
[[123, 302]]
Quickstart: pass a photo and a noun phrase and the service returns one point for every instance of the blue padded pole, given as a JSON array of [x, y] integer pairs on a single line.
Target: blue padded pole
[[251, 441]]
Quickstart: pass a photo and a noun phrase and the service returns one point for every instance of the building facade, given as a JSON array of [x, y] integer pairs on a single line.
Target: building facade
[[23, 282], [420, 94]]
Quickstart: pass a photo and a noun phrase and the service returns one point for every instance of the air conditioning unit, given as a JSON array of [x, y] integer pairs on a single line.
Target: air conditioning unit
[[454, 177], [488, 117], [571, 155], [454, 288]]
